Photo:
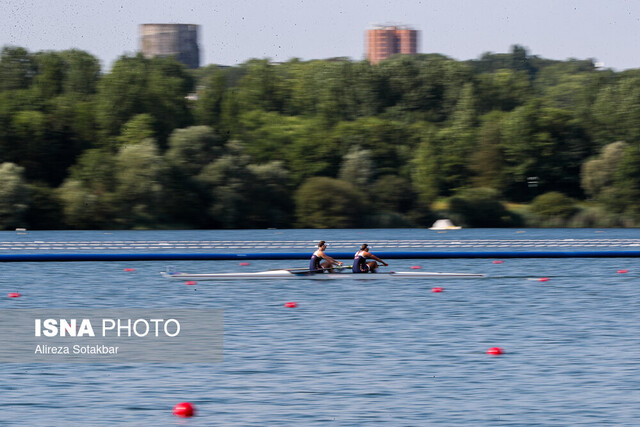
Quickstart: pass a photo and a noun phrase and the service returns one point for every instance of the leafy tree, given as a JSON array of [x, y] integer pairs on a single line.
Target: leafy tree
[[208, 110], [228, 126], [17, 68], [323, 202], [502, 90], [82, 72], [45, 209], [384, 139], [520, 59], [14, 196], [136, 130], [305, 80], [423, 87], [627, 180], [458, 143], [139, 173], [46, 144], [136, 85], [357, 168], [87, 196], [425, 172], [570, 85], [270, 194], [517, 60], [441, 162], [453, 151], [192, 148], [335, 90], [227, 181], [487, 160], [338, 93], [184, 200], [616, 111], [598, 174], [543, 142], [49, 81], [72, 122], [269, 135], [84, 208], [425, 125], [245, 195], [263, 87], [480, 207], [95, 170], [553, 205], [29, 148], [300, 142], [168, 85], [20, 121], [122, 93], [392, 193]]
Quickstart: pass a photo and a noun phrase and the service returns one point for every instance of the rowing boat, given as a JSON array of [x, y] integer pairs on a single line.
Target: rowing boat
[[289, 274]]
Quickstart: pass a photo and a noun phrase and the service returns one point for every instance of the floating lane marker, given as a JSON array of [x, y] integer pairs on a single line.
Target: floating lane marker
[[623, 271], [291, 304], [184, 410], [437, 289], [495, 351], [14, 295]]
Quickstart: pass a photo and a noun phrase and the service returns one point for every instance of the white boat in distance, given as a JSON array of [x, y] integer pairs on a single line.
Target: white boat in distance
[[444, 224], [297, 274]]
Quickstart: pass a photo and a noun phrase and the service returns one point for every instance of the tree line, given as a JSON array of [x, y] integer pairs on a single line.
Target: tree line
[[504, 140]]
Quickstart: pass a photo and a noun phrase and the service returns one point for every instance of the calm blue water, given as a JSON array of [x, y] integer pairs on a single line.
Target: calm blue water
[[352, 353]]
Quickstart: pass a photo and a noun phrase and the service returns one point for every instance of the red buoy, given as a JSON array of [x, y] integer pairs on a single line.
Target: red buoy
[[416, 267], [498, 261], [437, 289], [129, 269], [495, 351], [184, 409], [244, 264], [543, 279], [190, 282], [291, 304], [14, 295], [623, 271]]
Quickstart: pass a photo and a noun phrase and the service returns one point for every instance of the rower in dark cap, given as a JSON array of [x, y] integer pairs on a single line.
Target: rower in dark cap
[[360, 263], [320, 261]]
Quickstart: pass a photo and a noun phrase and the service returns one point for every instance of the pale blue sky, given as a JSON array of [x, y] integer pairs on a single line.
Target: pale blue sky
[[235, 30]]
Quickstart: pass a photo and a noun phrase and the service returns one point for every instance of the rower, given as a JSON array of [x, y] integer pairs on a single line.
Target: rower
[[360, 264], [320, 261]]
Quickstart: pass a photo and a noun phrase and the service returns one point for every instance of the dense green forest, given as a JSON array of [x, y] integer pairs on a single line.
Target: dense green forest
[[505, 140]]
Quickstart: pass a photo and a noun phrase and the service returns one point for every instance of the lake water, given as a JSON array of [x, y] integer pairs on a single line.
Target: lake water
[[353, 352]]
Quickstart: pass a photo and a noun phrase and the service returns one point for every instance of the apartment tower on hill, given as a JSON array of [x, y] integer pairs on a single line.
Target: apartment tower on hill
[[384, 41]]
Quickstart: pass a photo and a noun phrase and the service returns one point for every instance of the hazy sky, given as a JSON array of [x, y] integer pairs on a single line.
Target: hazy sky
[[236, 30]]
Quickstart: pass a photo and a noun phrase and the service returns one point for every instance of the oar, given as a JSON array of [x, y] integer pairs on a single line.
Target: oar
[[340, 267]]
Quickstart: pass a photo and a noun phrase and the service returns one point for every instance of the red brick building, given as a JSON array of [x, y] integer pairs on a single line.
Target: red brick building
[[384, 41]]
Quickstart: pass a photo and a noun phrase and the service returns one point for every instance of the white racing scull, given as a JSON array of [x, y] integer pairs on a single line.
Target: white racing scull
[[306, 274]]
